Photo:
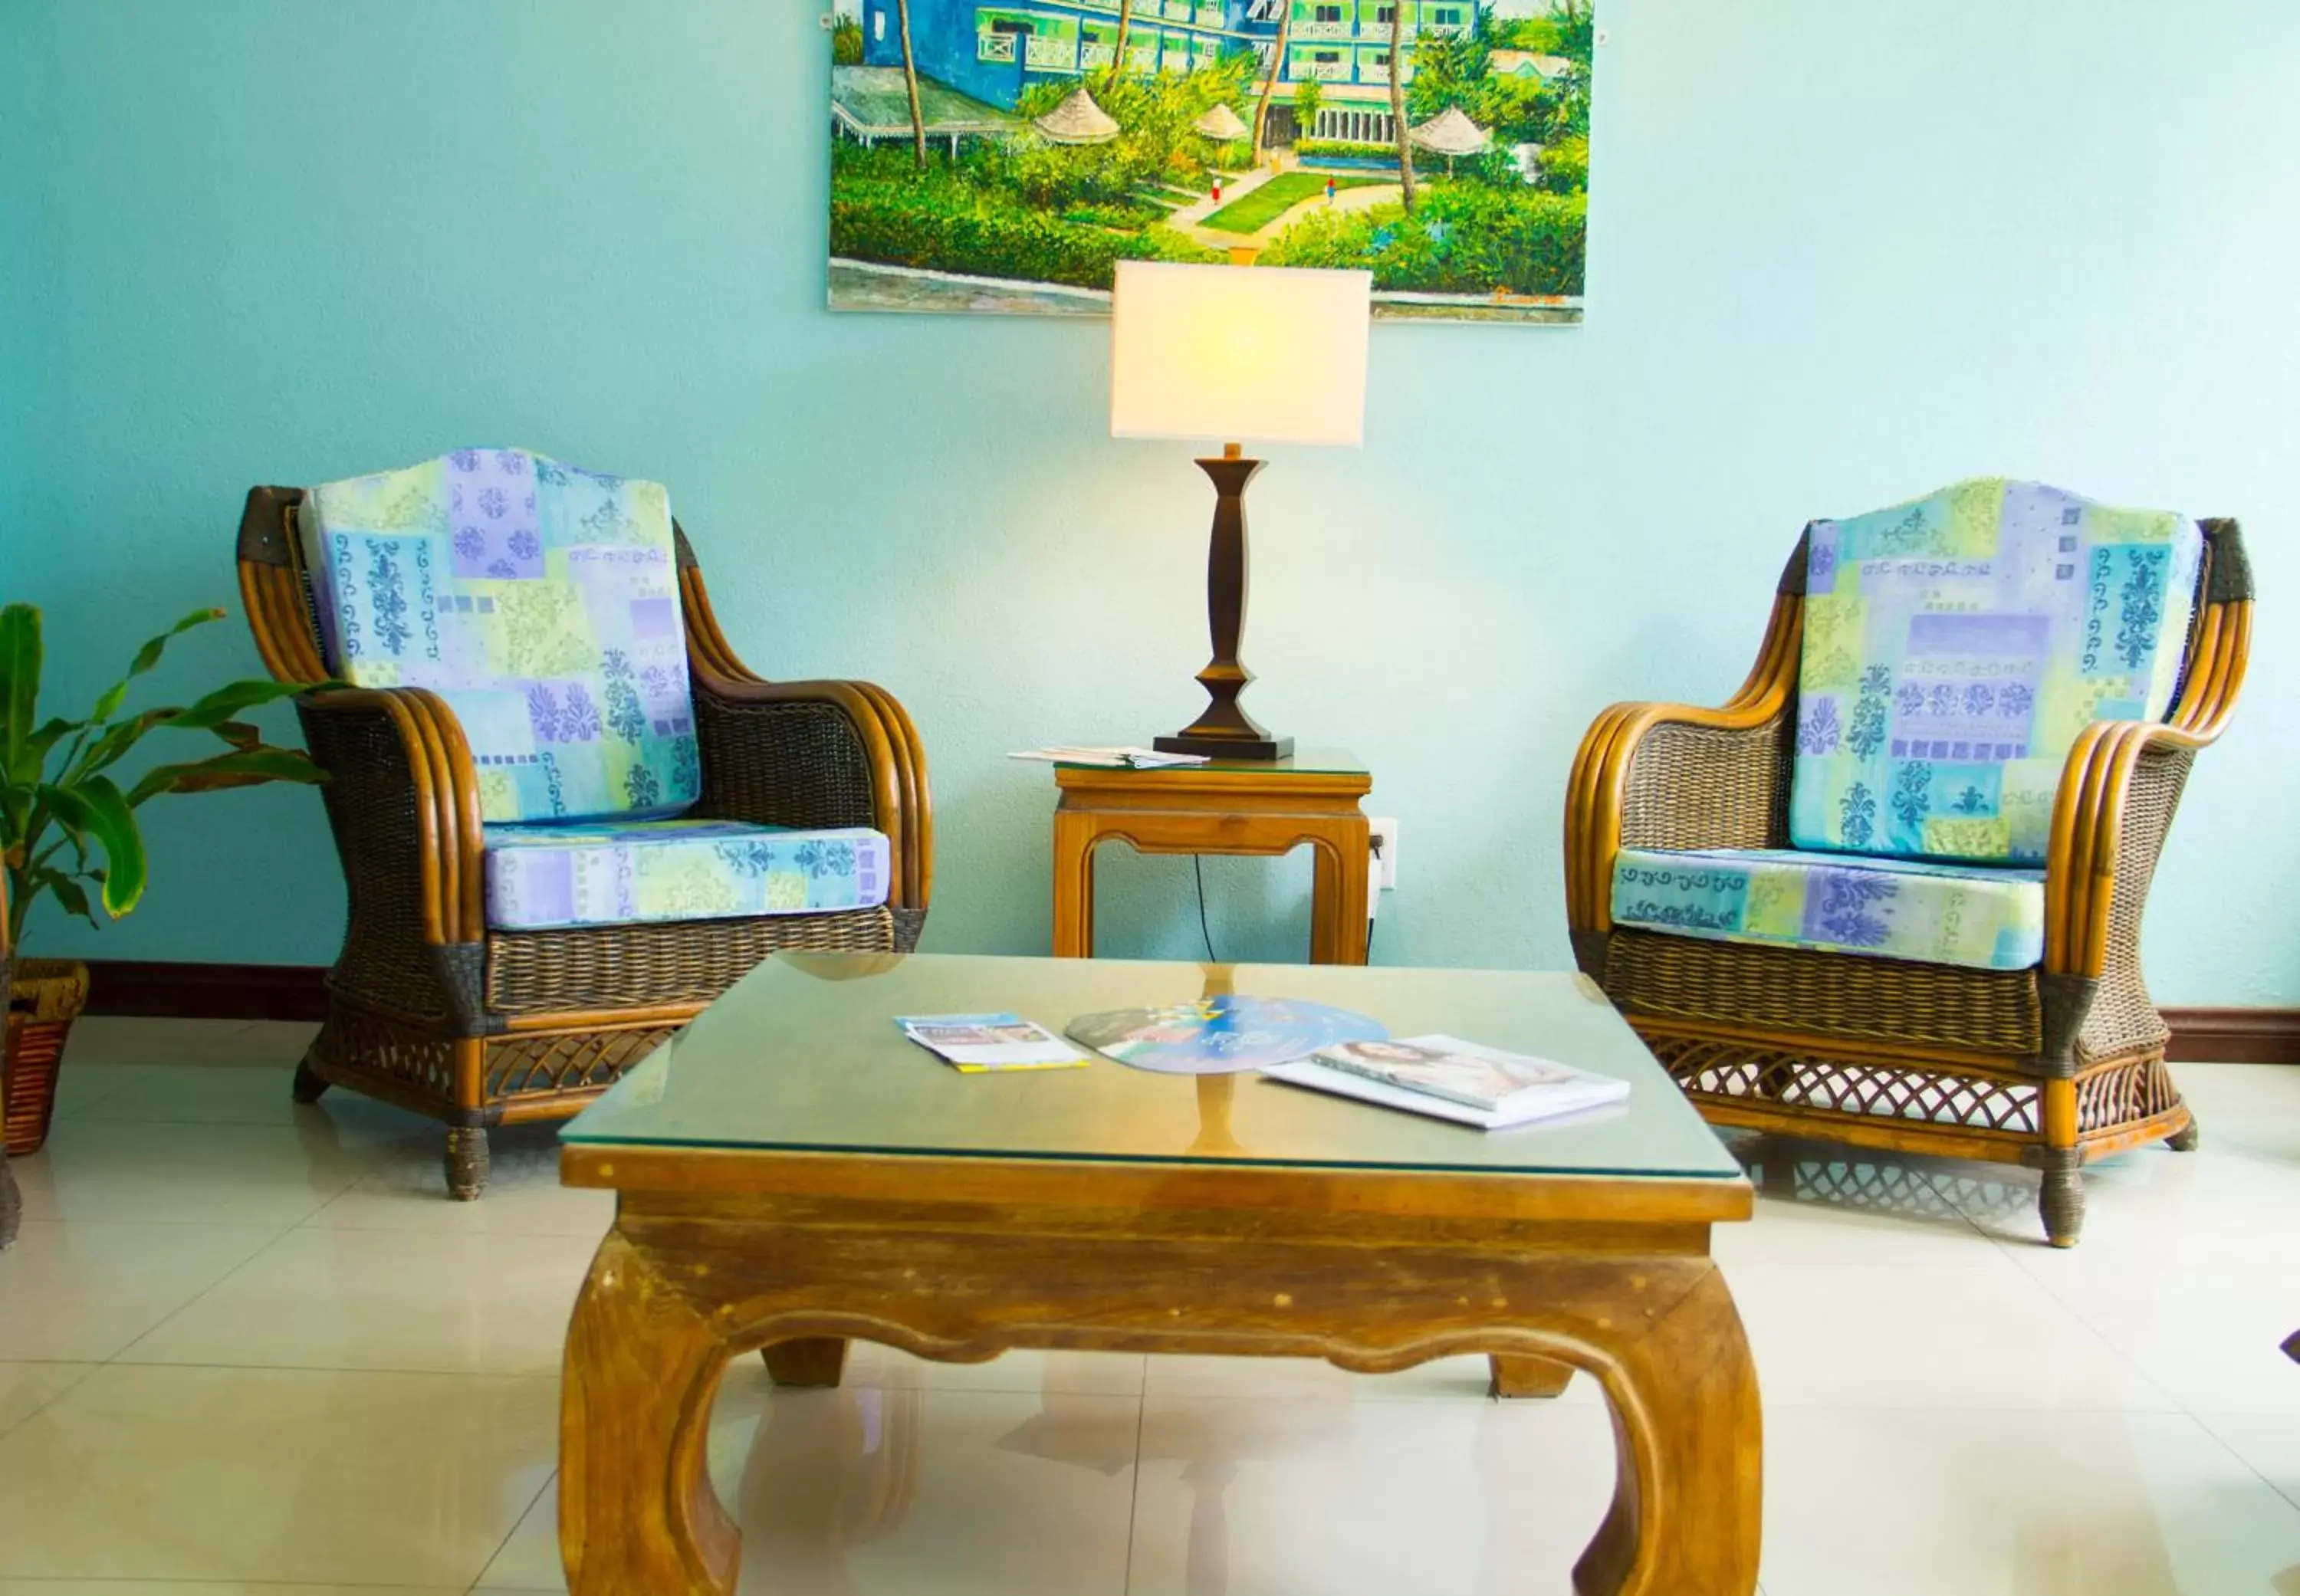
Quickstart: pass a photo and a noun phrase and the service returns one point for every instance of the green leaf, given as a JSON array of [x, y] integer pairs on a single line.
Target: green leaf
[[239, 734], [109, 705], [242, 768], [227, 701], [19, 682], [97, 808], [117, 739], [67, 893], [149, 654]]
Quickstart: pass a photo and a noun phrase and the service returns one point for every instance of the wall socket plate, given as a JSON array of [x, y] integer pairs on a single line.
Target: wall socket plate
[[1385, 850]]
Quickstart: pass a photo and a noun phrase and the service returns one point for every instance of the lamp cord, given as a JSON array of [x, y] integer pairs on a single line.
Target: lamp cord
[[1198, 869]]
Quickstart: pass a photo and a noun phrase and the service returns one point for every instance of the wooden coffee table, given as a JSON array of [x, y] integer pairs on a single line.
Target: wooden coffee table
[[793, 1175]]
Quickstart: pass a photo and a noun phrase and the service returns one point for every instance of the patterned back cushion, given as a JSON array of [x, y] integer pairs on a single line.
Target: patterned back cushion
[[540, 601], [1953, 649]]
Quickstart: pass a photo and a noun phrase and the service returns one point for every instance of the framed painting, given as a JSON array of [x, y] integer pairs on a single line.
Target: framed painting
[[1005, 155]]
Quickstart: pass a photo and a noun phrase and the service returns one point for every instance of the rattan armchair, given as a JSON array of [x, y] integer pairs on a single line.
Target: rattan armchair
[[427, 1007], [2050, 1067]]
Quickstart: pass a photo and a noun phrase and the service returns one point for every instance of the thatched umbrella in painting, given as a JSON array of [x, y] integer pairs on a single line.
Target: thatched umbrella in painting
[[1078, 120], [1221, 124], [1450, 133]]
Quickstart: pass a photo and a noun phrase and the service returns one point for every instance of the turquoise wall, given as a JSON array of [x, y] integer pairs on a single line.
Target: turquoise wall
[[1842, 253]]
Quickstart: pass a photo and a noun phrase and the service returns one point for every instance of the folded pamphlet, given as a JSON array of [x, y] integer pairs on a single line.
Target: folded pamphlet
[[980, 1043]]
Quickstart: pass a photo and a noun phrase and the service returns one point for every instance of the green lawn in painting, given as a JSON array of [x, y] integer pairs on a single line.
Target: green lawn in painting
[[1252, 213]]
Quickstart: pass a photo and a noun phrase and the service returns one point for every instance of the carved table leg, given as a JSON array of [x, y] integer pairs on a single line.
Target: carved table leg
[[816, 1361], [636, 1508], [1519, 1375], [1687, 1436]]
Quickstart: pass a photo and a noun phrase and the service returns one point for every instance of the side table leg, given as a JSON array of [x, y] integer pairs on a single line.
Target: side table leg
[[1074, 840], [636, 1508], [1337, 899], [1688, 1439]]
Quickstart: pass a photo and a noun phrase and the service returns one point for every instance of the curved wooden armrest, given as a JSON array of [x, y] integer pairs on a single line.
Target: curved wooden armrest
[[2111, 758], [451, 844], [1599, 792]]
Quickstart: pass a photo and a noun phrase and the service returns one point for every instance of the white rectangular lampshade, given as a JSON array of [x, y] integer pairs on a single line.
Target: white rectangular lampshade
[[1239, 353]]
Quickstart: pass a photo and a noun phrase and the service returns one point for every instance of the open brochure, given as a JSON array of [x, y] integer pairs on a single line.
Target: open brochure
[[980, 1043], [1448, 1078]]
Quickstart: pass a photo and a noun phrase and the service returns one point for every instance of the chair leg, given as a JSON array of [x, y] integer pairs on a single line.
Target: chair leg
[[11, 1204], [308, 1087], [2062, 1201], [467, 1161]]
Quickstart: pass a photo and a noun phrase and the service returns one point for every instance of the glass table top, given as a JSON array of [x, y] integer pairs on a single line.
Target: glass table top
[[803, 1055]]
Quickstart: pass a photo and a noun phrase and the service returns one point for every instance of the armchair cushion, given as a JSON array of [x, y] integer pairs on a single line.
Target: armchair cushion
[[540, 601], [619, 872], [1954, 647], [1980, 916]]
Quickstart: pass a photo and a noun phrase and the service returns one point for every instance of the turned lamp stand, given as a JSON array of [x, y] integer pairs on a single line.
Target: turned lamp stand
[[1225, 731]]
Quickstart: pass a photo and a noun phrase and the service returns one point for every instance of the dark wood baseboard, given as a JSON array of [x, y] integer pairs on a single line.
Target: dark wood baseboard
[[163, 990], [2234, 1036], [2223, 1035]]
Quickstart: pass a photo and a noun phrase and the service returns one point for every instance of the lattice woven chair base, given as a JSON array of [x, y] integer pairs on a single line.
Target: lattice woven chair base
[[433, 1010]]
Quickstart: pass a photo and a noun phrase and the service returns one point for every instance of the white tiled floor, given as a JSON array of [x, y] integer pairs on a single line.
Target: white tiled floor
[[249, 1348]]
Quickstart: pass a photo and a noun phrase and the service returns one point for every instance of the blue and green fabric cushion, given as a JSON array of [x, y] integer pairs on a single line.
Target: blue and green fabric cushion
[[1980, 916], [541, 600], [1955, 647], [626, 872]]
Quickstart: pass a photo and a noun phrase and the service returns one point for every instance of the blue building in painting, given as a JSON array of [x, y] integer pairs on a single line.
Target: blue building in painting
[[994, 49]]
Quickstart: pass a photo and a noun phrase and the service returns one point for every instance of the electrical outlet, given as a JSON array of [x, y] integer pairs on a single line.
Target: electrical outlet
[[1385, 850]]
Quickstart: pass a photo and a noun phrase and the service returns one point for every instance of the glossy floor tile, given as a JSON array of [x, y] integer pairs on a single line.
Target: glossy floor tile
[[2018, 1504], [911, 1491], [85, 1291], [273, 1475], [249, 1347]]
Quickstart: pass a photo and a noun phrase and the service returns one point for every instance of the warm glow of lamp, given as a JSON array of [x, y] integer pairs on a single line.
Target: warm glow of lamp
[[1236, 355]]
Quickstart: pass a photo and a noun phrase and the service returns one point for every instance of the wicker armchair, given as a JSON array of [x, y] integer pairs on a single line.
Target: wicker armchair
[[430, 1009], [2049, 1067]]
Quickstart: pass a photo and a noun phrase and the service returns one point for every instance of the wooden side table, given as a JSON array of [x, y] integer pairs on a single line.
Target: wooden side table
[[1229, 807]]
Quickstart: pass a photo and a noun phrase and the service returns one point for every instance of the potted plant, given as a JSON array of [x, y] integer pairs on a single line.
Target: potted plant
[[68, 828]]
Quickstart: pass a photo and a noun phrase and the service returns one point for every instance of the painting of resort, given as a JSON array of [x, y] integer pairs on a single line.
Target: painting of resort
[[1006, 154]]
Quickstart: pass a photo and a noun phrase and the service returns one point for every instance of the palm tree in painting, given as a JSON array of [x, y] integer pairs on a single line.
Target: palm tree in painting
[[1269, 81], [1125, 25], [1397, 98], [911, 84]]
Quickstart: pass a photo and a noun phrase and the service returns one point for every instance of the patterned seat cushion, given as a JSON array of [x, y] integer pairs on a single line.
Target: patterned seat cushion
[[1981, 917], [617, 872], [1955, 648], [540, 601]]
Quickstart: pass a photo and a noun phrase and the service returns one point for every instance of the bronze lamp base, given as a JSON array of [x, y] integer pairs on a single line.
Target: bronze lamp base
[[1226, 731]]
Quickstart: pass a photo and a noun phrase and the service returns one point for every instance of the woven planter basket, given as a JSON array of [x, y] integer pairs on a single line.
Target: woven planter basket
[[44, 996]]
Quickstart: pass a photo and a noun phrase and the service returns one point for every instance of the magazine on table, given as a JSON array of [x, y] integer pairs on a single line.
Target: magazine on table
[[1449, 1078], [976, 1043]]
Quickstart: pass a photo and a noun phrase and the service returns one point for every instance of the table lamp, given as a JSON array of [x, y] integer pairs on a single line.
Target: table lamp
[[1235, 355]]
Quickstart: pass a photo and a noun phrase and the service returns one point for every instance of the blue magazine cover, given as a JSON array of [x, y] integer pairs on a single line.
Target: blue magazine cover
[[1220, 1035]]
